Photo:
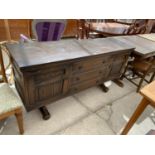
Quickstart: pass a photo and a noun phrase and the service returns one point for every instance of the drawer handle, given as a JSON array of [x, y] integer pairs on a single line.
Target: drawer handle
[[80, 67], [103, 61], [77, 79], [75, 89]]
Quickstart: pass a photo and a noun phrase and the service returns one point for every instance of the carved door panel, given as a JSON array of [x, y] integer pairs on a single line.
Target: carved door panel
[[45, 85]]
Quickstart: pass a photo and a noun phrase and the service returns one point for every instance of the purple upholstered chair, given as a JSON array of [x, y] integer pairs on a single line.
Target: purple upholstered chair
[[46, 30]]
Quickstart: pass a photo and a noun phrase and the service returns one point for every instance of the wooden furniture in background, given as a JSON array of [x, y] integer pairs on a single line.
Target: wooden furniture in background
[[117, 28], [81, 29], [3, 30], [144, 61], [150, 36], [10, 104], [140, 26], [71, 29], [140, 69], [7, 29], [123, 21], [148, 93], [107, 29], [10, 29], [45, 72], [144, 48]]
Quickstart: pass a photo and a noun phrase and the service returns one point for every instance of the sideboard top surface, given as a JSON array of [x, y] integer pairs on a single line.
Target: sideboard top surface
[[38, 53]]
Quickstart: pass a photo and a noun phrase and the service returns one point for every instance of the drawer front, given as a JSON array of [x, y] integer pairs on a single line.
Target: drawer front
[[90, 63], [86, 84], [48, 77], [101, 73]]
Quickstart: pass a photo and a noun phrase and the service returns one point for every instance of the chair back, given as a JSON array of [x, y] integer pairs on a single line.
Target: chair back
[[140, 26], [48, 30]]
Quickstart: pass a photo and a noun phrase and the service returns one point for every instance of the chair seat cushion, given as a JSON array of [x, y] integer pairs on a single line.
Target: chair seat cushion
[[8, 99]]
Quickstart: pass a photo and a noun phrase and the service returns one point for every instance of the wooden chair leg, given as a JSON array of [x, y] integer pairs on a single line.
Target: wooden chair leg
[[123, 74], [87, 34], [19, 117], [143, 104], [152, 77], [140, 83]]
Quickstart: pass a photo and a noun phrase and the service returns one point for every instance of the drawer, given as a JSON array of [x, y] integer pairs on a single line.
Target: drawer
[[46, 69], [98, 73], [89, 64], [49, 77], [85, 85]]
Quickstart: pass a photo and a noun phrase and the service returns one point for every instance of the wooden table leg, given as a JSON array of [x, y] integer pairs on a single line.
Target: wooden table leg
[[141, 107], [119, 83], [104, 88], [45, 113]]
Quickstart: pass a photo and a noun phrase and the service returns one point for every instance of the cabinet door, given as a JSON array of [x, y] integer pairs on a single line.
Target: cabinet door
[[45, 86], [48, 85]]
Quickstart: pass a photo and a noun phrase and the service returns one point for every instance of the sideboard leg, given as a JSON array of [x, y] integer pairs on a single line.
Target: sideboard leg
[[45, 113], [118, 82], [104, 88]]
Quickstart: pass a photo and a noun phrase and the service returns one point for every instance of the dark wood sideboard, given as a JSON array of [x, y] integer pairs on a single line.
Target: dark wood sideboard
[[47, 71]]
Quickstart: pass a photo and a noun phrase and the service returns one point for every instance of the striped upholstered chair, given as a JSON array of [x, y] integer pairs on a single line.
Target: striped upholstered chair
[[48, 29]]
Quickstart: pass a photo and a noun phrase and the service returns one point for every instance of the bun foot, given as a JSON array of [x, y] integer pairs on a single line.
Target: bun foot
[[104, 88], [45, 113]]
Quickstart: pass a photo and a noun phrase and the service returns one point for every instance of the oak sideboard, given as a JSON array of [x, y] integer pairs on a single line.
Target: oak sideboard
[[47, 71]]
